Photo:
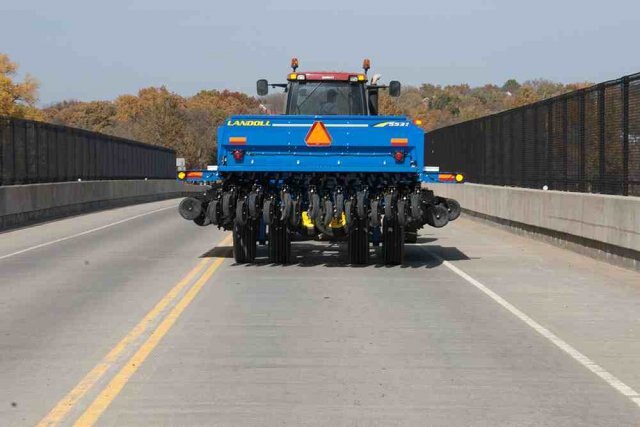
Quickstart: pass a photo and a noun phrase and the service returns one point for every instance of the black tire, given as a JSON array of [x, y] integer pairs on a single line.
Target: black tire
[[213, 213], [241, 212], [245, 241], [286, 206], [437, 216], [453, 207], [401, 211], [389, 211], [279, 243], [314, 206], [202, 220], [392, 242], [253, 204], [358, 242], [190, 208], [227, 207], [267, 211], [296, 214], [416, 208], [327, 212], [361, 205], [349, 215], [375, 213]]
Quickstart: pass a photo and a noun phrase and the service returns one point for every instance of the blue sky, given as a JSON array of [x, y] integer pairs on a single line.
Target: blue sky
[[97, 50]]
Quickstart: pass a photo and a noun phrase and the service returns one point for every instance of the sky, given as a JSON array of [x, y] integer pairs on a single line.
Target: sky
[[89, 50]]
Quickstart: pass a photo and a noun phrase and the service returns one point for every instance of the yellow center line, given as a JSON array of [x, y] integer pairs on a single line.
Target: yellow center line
[[115, 386], [62, 408]]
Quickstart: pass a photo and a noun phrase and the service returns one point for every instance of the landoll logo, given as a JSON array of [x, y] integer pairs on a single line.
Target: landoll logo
[[248, 123]]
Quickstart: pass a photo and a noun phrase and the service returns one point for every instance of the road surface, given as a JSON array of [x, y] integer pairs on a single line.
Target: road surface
[[134, 316]]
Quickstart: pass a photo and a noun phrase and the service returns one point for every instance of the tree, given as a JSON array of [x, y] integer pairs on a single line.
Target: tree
[[511, 86], [97, 116], [17, 99], [155, 116]]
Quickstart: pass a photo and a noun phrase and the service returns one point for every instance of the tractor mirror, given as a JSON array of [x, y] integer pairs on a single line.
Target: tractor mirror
[[394, 88], [263, 87]]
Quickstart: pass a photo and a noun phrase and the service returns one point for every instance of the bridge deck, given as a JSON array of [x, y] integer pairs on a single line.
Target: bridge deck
[[481, 327]]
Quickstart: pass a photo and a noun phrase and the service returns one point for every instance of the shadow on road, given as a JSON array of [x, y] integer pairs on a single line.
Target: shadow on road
[[312, 254], [219, 252]]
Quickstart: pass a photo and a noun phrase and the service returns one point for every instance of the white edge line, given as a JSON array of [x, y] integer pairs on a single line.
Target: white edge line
[[611, 379], [73, 236]]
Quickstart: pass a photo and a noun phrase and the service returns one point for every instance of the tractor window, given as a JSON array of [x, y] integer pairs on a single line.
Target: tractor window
[[326, 98]]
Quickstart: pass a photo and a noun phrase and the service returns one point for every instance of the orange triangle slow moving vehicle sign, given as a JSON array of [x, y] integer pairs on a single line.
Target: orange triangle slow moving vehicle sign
[[318, 135]]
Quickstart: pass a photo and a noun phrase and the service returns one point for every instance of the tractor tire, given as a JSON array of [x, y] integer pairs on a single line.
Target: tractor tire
[[358, 242], [245, 241], [279, 242], [392, 242]]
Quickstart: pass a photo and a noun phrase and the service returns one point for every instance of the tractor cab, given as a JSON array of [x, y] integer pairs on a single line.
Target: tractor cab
[[330, 93]]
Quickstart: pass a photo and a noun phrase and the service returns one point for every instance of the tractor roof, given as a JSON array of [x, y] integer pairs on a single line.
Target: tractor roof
[[326, 75]]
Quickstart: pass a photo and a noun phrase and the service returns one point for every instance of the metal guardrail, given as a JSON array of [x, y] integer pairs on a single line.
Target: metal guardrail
[[584, 141], [38, 152]]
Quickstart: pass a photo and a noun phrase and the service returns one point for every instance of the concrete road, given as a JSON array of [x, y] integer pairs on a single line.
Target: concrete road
[[135, 317]]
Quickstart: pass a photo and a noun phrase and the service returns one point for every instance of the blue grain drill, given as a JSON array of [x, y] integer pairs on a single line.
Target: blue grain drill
[[330, 168]]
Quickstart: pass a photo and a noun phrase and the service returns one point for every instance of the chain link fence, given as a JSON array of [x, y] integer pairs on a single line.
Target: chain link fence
[[584, 141], [36, 152]]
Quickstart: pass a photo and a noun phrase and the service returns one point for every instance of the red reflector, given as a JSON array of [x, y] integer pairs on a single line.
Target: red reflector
[[194, 174], [399, 156], [446, 177], [238, 155]]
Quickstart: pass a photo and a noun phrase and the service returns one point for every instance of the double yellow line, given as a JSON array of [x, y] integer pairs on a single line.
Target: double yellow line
[[111, 391]]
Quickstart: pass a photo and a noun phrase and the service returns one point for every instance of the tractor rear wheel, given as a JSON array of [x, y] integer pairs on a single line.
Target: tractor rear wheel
[[279, 242], [358, 242], [392, 241]]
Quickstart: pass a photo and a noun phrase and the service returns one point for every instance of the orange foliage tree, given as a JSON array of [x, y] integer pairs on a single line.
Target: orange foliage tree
[[17, 99]]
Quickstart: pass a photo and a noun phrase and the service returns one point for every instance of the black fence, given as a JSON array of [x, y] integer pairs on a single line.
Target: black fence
[[36, 152], [586, 141]]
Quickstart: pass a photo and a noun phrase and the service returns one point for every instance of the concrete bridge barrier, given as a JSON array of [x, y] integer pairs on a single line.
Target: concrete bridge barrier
[[598, 225], [27, 204]]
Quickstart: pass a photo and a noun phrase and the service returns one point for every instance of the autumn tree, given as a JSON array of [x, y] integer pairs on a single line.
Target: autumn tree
[[97, 116], [155, 116], [17, 99]]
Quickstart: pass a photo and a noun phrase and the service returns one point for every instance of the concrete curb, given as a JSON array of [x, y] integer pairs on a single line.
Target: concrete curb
[[22, 205], [601, 226]]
